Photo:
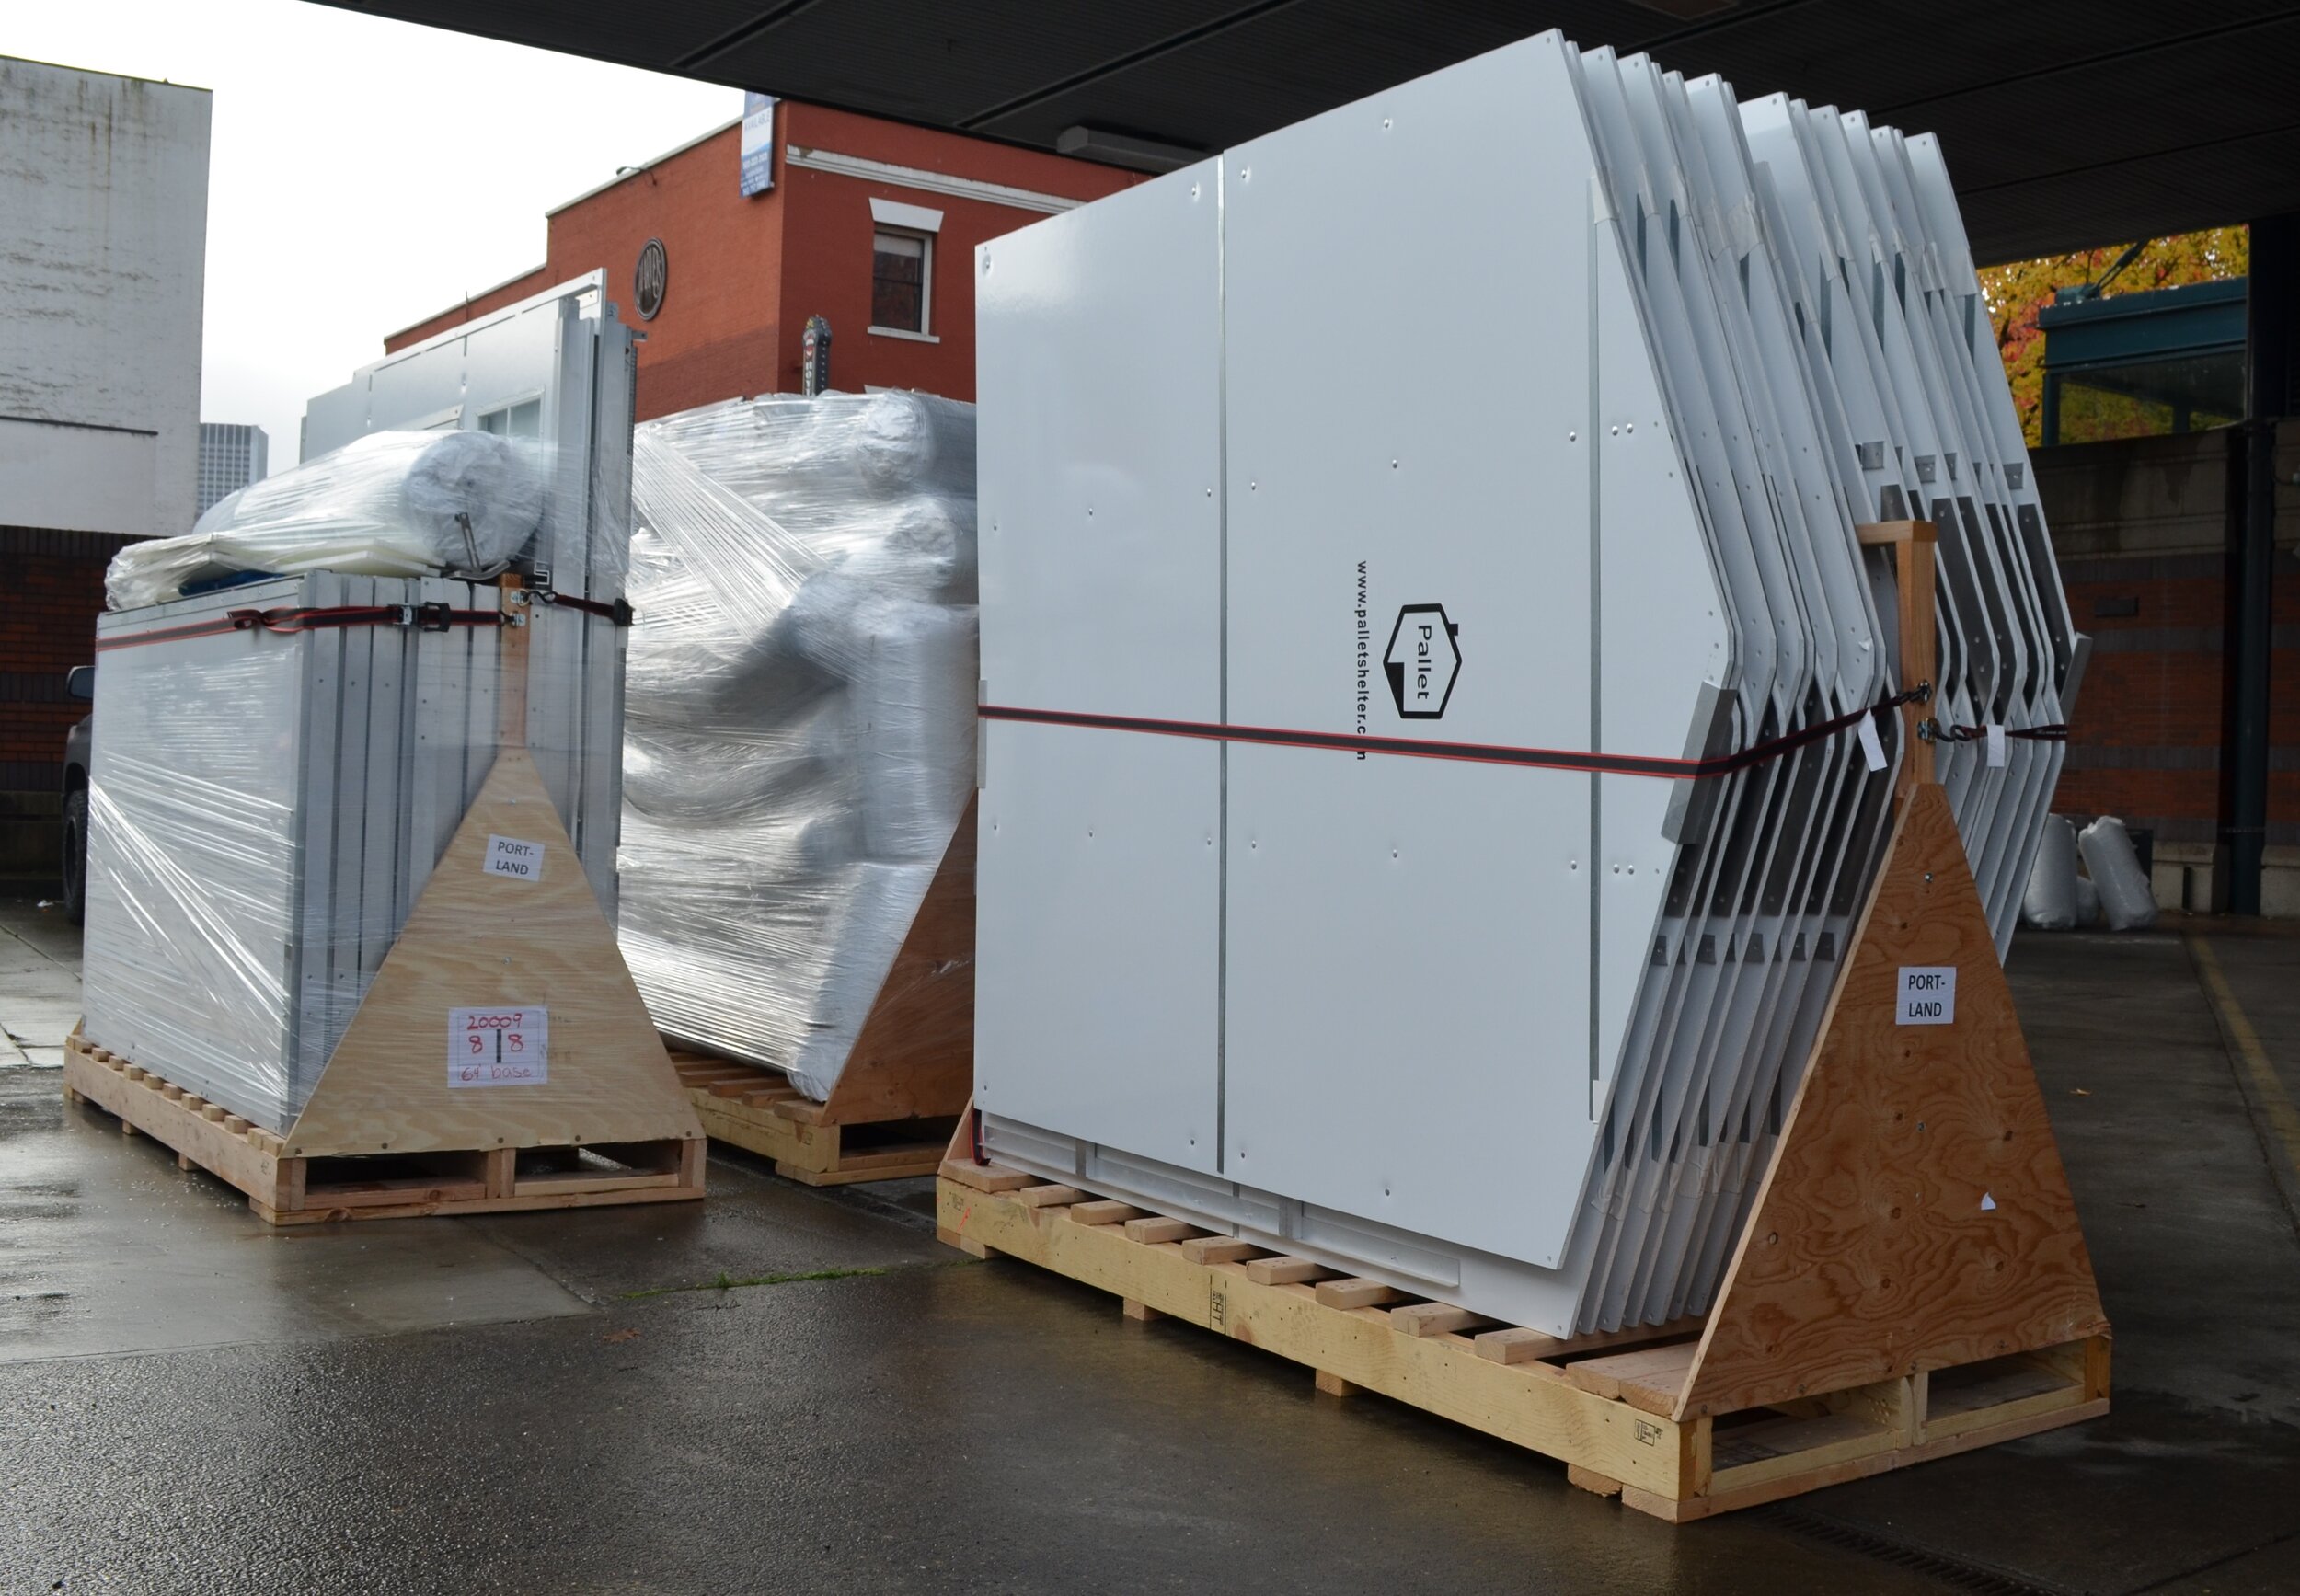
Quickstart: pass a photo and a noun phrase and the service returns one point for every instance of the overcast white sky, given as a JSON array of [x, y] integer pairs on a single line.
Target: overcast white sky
[[363, 173]]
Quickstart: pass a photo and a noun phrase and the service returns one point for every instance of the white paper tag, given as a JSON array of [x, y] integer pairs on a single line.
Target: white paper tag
[[509, 856], [1872, 746], [498, 1046], [1928, 995], [1996, 747]]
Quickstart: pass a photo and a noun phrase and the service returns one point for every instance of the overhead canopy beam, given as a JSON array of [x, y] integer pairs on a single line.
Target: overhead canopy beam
[[2067, 123]]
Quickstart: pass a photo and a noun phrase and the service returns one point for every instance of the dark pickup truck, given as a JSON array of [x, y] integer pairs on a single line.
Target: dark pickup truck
[[81, 683]]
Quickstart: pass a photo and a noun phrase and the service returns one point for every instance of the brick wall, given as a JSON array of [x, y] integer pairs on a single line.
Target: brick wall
[[47, 627], [2141, 527], [745, 273]]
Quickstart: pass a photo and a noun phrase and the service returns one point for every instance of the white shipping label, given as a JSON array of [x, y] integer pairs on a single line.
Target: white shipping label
[[498, 1046], [1996, 747], [1872, 746], [509, 856], [1928, 995]]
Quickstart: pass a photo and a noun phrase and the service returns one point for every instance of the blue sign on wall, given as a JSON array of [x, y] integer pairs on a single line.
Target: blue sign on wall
[[758, 142]]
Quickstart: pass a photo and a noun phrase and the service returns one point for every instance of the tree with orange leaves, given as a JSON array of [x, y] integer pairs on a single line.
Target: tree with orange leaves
[[2015, 293]]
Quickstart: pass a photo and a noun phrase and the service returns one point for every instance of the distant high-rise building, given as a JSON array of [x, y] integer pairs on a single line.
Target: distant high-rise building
[[231, 456]]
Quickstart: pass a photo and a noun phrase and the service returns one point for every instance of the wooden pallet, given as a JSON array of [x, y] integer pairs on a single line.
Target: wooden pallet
[[1603, 1405], [759, 1110], [286, 1190]]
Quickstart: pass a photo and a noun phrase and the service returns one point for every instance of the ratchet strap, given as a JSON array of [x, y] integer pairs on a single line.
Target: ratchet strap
[[427, 617], [1495, 754], [437, 617]]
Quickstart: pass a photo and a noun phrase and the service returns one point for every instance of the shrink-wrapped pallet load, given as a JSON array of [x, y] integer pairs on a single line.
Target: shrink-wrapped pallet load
[[298, 703], [800, 723]]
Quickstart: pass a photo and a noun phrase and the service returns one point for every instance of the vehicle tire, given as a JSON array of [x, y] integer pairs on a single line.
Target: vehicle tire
[[75, 856]]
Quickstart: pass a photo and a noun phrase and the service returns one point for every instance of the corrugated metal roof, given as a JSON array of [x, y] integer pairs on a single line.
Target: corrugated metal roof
[[2067, 123]]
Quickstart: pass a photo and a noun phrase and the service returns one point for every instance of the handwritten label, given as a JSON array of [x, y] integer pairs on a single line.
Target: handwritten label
[[498, 1046], [509, 856], [1928, 995]]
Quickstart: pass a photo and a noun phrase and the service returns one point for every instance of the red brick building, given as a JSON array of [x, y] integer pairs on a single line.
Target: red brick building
[[871, 224]]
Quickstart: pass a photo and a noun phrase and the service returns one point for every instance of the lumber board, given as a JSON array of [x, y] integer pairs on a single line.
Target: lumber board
[[1912, 543], [1915, 1215], [1728, 1493]]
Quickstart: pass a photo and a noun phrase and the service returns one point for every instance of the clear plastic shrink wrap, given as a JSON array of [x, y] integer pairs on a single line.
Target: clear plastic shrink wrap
[[800, 730], [387, 504]]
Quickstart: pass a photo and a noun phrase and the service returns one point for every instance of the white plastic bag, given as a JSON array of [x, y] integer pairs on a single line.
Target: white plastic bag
[[2125, 899], [2050, 903]]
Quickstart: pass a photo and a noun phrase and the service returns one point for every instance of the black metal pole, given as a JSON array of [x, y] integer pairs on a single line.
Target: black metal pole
[[2268, 352]]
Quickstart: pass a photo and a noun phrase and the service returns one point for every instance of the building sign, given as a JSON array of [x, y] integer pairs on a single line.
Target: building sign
[[758, 144], [650, 278], [814, 357]]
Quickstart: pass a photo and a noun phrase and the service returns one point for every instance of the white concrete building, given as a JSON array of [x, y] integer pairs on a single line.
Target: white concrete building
[[103, 240], [231, 454]]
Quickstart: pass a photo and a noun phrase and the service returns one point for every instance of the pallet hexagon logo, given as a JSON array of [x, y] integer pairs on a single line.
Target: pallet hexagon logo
[[1422, 661]]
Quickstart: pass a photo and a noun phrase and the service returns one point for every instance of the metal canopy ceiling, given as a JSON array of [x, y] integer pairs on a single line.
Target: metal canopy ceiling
[[2067, 123]]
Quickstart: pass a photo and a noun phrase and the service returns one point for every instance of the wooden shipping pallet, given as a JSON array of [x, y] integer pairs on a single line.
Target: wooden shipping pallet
[[1602, 1405], [286, 1190], [759, 1110], [1912, 1280]]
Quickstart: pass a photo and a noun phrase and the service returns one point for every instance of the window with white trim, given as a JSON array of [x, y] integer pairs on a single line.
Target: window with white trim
[[902, 267], [901, 280]]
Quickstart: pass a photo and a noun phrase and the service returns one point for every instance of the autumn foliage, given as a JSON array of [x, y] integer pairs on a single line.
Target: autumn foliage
[[2014, 294]]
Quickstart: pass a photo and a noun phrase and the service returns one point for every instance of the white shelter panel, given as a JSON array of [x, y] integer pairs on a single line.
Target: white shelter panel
[[1098, 882], [1098, 885], [1408, 1001], [1099, 441]]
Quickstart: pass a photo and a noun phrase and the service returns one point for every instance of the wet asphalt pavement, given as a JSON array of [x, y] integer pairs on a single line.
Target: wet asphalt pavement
[[191, 1402]]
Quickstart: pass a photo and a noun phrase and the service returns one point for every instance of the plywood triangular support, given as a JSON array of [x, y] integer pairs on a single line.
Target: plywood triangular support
[[915, 1055], [1915, 1215], [481, 940]]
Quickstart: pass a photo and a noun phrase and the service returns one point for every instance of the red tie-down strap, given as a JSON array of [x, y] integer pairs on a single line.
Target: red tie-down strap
[[1474, 753]]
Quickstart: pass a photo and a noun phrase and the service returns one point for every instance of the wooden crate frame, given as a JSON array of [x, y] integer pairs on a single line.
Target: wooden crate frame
[[1913, 1281], [284, 1189], [1602, 1405]]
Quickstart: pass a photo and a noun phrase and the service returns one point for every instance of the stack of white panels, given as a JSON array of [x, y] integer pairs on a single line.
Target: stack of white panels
[[1306, 911]]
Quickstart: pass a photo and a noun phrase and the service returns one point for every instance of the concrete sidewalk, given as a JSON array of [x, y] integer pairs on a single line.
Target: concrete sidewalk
[[789, 1389]]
